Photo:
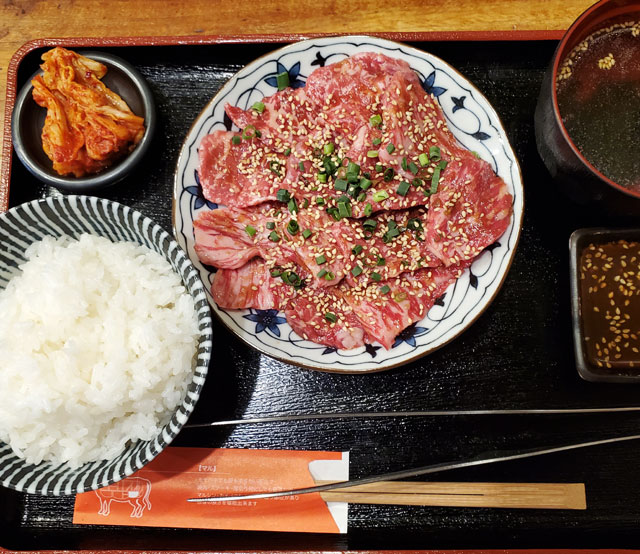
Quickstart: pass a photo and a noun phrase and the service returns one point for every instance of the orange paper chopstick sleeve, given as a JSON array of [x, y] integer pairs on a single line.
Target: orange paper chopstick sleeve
[[156, 496]]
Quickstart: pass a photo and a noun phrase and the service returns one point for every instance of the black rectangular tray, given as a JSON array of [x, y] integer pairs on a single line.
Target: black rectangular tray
[[518, 354]]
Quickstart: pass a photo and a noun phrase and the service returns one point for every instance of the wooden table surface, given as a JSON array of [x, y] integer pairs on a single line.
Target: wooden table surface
[[25, 20]]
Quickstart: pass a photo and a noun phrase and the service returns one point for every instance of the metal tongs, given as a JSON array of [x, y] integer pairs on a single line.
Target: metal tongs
[[482, 459]]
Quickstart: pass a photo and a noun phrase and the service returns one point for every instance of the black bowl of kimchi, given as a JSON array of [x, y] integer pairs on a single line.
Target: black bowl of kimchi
[[28, 123]]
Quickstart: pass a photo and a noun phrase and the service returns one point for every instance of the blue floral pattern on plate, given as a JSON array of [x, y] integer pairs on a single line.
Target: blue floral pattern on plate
[[294, 76], [266, 319], [198, 197], [475, 125]]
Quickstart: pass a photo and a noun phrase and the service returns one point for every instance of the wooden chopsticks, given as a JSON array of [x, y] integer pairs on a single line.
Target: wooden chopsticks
[[555, 496]]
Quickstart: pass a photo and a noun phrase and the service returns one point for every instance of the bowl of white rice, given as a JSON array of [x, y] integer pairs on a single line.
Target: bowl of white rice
[[105, 343]]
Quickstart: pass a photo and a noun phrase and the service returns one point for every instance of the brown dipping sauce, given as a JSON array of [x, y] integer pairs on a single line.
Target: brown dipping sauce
[[610, 304]]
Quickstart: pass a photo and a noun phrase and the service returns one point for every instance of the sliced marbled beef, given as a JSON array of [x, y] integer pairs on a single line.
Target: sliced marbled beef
[[468, 213], [342, 317], [349, 248], [284, 144], [385, 197]]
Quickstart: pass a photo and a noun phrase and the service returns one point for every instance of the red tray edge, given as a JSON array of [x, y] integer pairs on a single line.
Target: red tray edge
[[506, 551]]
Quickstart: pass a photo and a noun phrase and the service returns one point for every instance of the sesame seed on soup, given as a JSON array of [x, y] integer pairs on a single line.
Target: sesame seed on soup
[[598, 91]]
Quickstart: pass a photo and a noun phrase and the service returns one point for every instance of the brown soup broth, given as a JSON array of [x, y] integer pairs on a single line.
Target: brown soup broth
[[598, 90]]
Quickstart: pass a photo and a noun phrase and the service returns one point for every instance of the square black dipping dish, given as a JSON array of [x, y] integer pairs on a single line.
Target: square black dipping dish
[[605, 303]]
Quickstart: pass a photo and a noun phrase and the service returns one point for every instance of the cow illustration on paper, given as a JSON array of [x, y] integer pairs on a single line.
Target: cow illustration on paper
[[132, 490]]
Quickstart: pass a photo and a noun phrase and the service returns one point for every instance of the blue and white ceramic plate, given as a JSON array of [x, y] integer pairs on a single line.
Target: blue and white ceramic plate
[[471, 119]]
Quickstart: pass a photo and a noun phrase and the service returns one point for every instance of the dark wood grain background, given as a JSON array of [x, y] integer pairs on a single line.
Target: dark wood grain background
[[518, 354]]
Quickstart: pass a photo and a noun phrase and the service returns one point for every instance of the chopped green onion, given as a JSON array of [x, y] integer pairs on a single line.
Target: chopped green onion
[[258, 106], [322, 273], [392, 231], [380, 261], [321, 259], [283, 195], [276, 273], [380, 195], [379, 168], [274, 237], [414, 224], [320, 201], [333, 212], [328, 148], [403, 164], [400, 296], [236, 139], [370, 224], [330, 317], [368, 210], [274, 166], [307, 233], [251, 231], [390, 148], [435, 178], [356, 270], [475, 154], [249, 132], [293, 206], [301, 166], [375, 120], [344, 209], [362, 197], [376, 141], [282, 79], [372, 154], [413, 168], [417, 182], [305, 203], [423, 159], [292, 278], [389, 174], [353, 169], [403, 188], [329, 166], [434, 154], [287, 151], [389, 235], [341, 185], [376, 276], [271, 225], [329, 276], [385, 289], [365, 183], [292, 227], [356, 249], [353, 190], [322, 177]]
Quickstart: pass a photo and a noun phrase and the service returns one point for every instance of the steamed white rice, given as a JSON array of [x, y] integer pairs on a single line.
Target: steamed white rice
[[97, 344]]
